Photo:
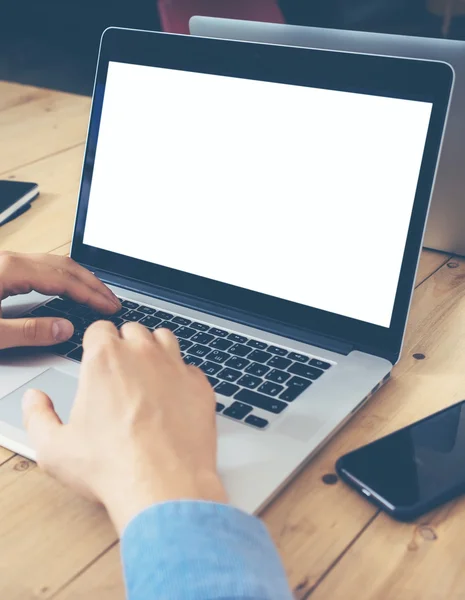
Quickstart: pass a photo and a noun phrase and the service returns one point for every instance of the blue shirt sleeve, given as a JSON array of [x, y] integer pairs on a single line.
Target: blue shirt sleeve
[[194, 550]]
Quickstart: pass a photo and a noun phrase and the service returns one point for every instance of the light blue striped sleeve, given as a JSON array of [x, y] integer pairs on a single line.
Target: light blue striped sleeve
[[193, 550]]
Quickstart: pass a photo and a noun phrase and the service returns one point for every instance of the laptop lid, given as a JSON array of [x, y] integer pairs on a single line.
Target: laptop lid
[[280, 187]]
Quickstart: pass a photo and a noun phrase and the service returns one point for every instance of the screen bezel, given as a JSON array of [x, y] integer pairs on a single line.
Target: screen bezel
[[394, 77]]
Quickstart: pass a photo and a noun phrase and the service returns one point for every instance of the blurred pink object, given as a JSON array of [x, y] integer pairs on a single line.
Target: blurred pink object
[[175, 14]]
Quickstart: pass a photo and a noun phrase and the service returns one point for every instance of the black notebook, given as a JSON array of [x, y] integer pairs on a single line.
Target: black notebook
[[15, 197]]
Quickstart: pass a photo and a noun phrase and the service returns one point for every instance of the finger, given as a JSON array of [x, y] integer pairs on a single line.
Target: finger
[[97, 333], [34, 332], [135, 331], [168, 341], [41, 422]]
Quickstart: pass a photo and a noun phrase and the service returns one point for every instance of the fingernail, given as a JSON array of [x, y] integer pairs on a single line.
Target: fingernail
[[28, 398], [62, 330]]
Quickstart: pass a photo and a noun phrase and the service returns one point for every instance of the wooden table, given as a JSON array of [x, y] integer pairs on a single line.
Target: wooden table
[[333, 543]]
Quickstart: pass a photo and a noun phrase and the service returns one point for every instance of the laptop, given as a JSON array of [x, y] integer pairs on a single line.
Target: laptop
[[267, 205], [447, 214]]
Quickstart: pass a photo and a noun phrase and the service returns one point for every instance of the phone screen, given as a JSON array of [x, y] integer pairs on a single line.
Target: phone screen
[[414, 465]]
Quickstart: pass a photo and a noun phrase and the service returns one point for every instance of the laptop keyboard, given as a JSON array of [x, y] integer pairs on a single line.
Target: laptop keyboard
[[256, 380]]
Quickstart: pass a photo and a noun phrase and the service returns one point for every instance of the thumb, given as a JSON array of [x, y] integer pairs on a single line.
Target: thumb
[[41, 421], [34, 332]]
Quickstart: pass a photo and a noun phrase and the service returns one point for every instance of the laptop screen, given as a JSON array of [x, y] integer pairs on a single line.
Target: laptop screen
[[300, 193]]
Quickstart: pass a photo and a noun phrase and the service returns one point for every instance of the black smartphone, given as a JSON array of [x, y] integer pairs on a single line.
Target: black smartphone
[[15, 196], [413, 470]]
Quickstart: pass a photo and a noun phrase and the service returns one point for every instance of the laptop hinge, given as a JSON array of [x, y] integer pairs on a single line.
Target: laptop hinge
[[225, 312]]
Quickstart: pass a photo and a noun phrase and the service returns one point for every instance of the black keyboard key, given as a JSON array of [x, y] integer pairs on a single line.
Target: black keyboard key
[[270, 389], [257, 369], [78, 323], [229, 374], [43, 311], [217, 356], [290, 393], [76, 354], [117, 322], [238, 339], [219, 407], [305, 371], [163, 315], [184, 332], [200, 326], [249, 381], [129, 304], [193, 360], [298, 382], [240, 350], [181, 321], [199, 350], [236, 362], [167, 325], [259, 356], [260, 401], [120, 313], [85, 312], [256, 344], [184, 345], [202, 338], [149, 321], [237, 410], [321, 364], [213, 380], [58, 304], [298, 357], [211, 368], [77, 337], [221, 344], [226, 389], [276, 350], [63, 348], [256, 421], [217, 332], [133, 315], [147, 310], [277, 376], [279, 363]]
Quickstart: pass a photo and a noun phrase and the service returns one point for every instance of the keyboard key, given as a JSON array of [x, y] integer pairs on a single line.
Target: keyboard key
[[184, 332], [213, 380], [193, 360], [219, 407], [217, 332], [321, 364], [202, 338], [221, 344], [76, 354], [120, 313], [63, 348], [256, 344], [181, 321], [133, 315], [150, 321], [200, 326], [129, 304], [184, 345], [276, 350], [117, 322], [240, 350], [305, 371], [298, 382], [236, 362], [238, 339], [79, 324], [148, 310], [259, 356], [257, 369], [270, 389], [43, 311], [167, 325], [249, 381], [217, 356], [290, 393], [256, 421], [84, 312], [260, 401], [211, 368], [77, 337], [237, 410], [226, 389], [298, 357], [58, 304], [199, 350], [163, 315], [277, 376], [279, 362], [229, 374]]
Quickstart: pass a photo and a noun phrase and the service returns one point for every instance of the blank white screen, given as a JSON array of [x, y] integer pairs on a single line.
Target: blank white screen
[[300, 193]]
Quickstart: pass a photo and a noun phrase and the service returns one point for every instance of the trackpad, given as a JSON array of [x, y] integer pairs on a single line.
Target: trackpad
[[60, 387]]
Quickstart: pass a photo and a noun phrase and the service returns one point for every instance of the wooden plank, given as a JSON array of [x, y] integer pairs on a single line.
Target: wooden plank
[[4, 455], [15, 94], [48, 224], [63, 250], [430, 261], [46, 124]]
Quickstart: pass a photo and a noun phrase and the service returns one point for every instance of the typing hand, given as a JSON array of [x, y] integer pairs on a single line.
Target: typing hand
[[142, 429], [51, 275]]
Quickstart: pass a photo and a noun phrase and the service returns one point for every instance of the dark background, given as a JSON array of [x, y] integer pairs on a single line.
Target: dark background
[[53, 43]]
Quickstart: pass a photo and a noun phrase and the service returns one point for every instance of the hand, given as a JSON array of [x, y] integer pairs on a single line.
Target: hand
[[142, 429], [51, 275]]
